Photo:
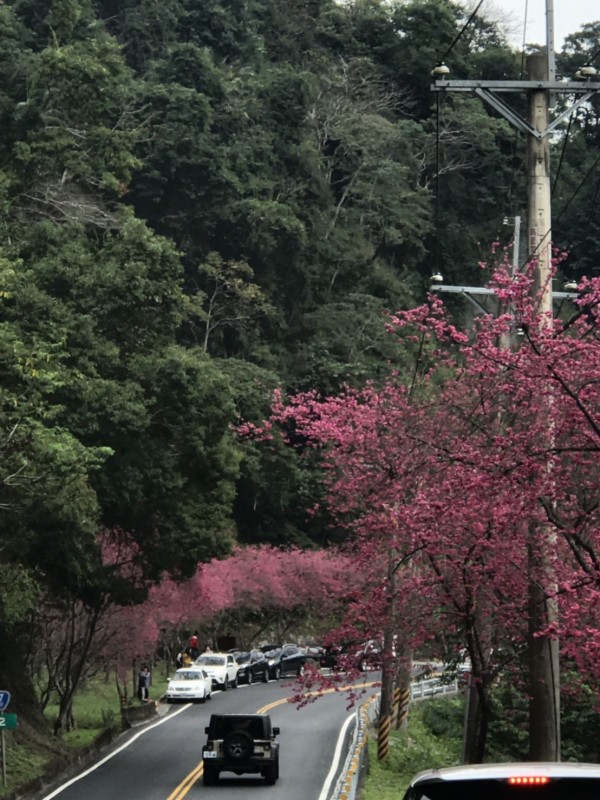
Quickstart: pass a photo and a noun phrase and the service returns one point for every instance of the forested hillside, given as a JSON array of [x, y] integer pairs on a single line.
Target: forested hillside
[[203, 200]]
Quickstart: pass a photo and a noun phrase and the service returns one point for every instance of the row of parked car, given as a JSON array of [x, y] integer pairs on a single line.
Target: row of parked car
[[274, 661], [228, 670]]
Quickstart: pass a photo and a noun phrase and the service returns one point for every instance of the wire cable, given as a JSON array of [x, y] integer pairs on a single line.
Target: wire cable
[[437, 140], [562, 154], [464, 28], [594, 55], [578, 189], [564, 208], [524, 39], [595, 200], [521, 74]]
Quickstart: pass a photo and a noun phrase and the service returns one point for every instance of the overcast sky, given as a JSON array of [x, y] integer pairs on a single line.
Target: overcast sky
[[569, 16]]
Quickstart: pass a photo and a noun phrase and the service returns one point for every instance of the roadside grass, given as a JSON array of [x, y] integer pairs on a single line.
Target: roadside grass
[[23, 763], [429, 741], [97, 708]]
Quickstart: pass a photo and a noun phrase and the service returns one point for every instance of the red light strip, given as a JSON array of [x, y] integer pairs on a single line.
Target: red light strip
[[531, 780]]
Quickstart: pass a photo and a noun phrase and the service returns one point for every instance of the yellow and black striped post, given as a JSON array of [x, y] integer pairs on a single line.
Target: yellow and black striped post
[[396, 706], [383, 737], [402, 719]]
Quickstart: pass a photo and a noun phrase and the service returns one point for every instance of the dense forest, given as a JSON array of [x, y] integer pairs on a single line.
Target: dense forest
[[203, 200]]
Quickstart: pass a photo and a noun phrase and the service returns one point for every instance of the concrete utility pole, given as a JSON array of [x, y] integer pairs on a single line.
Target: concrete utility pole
[[538, 187], [544, 660], [544, 688]]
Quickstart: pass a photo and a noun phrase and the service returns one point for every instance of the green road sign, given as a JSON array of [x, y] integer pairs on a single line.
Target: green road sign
[[8, 721]]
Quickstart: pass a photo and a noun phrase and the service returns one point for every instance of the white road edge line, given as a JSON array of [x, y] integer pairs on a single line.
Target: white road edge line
[[336, 758], [169, 717]]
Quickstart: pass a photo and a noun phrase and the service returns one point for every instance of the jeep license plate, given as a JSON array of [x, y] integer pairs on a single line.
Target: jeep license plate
[[209, 754]]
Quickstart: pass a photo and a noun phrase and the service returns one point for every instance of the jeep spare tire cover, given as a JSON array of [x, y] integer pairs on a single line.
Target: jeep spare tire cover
[[238, 745]]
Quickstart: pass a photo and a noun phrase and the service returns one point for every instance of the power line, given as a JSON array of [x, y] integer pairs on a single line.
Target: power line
[[595, 55], [516, 136], [578, 189], [464, 28], [562, 153], [524, 38], [565, 207]]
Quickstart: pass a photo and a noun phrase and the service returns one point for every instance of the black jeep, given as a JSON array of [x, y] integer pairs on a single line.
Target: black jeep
[[241, 743]]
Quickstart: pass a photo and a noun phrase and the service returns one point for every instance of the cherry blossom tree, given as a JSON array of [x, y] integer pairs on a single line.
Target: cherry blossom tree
[[446, 483], [257, 591]]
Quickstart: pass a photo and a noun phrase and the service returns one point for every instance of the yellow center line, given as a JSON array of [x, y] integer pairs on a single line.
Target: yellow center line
[[187, 783]]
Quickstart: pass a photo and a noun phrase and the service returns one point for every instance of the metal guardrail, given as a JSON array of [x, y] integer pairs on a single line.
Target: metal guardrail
[[349, 781], [347, 784], [432, 686]]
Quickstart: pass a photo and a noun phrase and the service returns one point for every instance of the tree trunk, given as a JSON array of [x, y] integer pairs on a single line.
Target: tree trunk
[[74, 672], [544, 664], [471, 724]]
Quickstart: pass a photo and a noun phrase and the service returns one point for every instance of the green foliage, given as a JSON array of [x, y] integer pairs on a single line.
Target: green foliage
[[92, 303], [333, 347], [230, 303], [580, 723], [172, 481], [276, 485], [419, 747], [443, 716], [19, 594]]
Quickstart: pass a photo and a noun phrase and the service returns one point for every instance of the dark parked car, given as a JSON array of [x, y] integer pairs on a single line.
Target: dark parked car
[[315, 651], [289, 660], [352, 655], [241, 743], [268, 648], [253, 666], [369, 655]]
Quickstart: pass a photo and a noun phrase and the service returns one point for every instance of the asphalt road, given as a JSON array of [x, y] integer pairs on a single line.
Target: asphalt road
[[163, 760]]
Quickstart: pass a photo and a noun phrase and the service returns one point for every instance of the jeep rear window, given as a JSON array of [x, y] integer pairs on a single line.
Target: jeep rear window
[[251, 725], [211, 661], [556, 789]]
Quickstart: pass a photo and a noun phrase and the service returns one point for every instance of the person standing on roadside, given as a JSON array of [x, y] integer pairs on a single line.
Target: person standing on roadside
[[193, 646], [144, 683]]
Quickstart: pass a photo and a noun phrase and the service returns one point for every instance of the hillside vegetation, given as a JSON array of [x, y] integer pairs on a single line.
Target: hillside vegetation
[[203, 201]]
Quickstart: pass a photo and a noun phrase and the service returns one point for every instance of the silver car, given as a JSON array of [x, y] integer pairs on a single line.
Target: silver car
[[511, 781]]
